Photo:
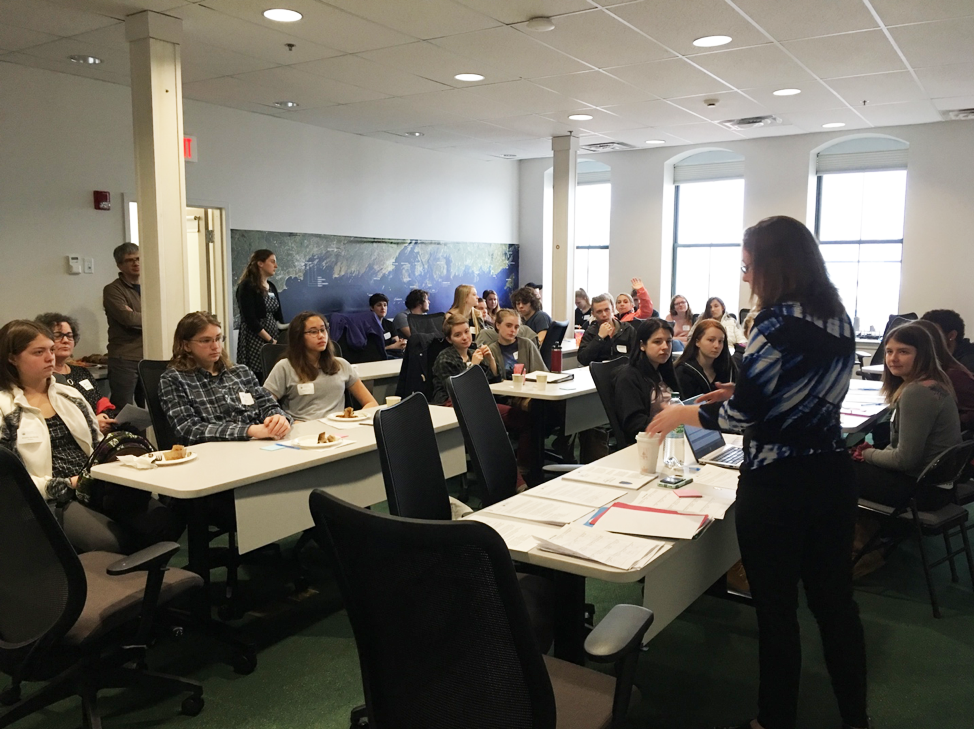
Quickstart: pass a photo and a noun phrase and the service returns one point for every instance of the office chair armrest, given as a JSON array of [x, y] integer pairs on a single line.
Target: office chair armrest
[[561, 467], [618, 633], [145, 560]]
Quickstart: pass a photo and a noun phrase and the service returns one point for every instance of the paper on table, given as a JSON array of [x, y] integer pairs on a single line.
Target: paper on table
[[709, 503], [616, 550], [135, 416], [645, 521], [518, 535], [577, 493], [602, 476], [546, 511]]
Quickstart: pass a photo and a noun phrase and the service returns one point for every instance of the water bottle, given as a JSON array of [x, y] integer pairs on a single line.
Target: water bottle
[[556, 357], [673, 443]]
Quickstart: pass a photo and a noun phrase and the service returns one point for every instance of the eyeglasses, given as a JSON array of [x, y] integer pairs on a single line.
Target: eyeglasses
[[745, 268], [58, 336], [207, 341], [316, 332]]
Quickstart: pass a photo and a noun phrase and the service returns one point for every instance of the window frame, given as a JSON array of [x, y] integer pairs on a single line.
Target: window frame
[[594, 248]]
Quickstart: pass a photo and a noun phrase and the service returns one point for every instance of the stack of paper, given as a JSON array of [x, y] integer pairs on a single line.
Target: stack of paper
[[603, 476], [577, 493], [645, 521], [615, 550], [546, 511], [519, 536], [709, 500]]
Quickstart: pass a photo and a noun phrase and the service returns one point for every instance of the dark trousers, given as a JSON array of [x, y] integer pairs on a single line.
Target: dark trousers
[[894, 488], [123, 381], [795, 521]]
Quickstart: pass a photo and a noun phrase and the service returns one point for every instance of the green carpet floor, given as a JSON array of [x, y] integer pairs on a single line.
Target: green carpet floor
[[699, 671]]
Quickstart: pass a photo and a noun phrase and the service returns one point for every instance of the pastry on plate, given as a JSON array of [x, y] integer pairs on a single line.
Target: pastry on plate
[[326, 438], [348, 413], [178, 452]]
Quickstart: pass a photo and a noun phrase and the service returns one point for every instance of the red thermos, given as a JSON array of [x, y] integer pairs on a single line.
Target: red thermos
[[556, 357]]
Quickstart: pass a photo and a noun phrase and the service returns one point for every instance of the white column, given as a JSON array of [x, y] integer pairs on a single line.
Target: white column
[[562, 282], [157, 119]]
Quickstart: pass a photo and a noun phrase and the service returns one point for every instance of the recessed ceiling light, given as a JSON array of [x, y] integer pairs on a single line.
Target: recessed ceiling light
[[655, 141], [540, 24], [283, 15], [833, 125], [580, 117], [787, 92], [509, 156], [87, 60], [286, 104], [469, 77], [711, 41], [411, 134]]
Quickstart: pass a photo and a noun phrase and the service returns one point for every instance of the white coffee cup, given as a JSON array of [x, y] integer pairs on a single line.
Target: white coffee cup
[[393, 400], [542, 380], [518, 381], [648, 448]]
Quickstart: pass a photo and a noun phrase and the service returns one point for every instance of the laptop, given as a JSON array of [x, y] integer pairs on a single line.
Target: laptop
[[709, 447]]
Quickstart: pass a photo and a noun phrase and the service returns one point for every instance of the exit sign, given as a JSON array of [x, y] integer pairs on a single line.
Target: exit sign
[[189, 148]]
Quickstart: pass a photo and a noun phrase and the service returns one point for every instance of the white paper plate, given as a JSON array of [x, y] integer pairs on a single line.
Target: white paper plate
[[356, 418], [310, 442], [160, 458]]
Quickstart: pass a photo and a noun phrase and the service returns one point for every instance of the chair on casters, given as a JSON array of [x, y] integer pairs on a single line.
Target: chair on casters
[[453, 584], [425, 323], [77, 623], [603, 375], [947, 468], [269, 354], [556, 332]]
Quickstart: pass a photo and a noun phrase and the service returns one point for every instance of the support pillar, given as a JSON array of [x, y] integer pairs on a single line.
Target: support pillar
[[157, 119], [562, 282]]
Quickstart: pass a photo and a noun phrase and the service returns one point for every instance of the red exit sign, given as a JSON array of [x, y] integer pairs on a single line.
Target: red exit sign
[[189, 148]]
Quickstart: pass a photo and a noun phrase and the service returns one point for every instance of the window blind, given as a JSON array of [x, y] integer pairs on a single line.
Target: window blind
[[888, 159], [708, 172]]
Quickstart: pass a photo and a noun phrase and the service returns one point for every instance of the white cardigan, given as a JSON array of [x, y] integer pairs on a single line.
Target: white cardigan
[[24, 429]]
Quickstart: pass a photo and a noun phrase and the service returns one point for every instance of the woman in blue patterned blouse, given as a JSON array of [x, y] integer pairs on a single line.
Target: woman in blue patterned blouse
[[796, 498]]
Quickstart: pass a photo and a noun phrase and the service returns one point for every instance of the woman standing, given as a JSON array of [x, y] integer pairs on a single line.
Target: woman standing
[[706, 361], [260, 310], [465, 306], [681, 317], [715, 309], [796, 500], [310, 381], [642, 387]]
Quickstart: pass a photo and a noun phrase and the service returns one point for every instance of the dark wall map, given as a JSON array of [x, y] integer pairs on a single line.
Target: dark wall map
[[329, 273]]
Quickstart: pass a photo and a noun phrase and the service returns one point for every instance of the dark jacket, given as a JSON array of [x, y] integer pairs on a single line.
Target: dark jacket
[[964, 353], [635, 404], [253, 307], [124, 324], [595, 349], [693, 381]]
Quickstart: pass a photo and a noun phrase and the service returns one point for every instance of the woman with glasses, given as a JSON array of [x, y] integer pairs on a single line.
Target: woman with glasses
[[206, 397], [67, 334], [681, 317], [309, 381]]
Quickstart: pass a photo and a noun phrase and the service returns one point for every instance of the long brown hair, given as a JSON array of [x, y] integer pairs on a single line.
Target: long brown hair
[[925, 364], [187, 328], [723, 364], [251, 274], [787, 265], [673, 306], [491, 312], [297, 351], [459, 302], [15, 337]]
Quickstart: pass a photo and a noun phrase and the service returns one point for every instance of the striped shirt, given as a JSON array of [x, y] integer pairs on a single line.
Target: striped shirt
[[794, 376]]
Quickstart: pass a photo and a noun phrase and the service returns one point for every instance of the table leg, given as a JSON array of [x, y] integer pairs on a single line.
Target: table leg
[[199, 553], [569, 617]]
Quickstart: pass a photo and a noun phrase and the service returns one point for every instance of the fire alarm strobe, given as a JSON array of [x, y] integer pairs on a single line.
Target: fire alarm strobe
[[103, 200]]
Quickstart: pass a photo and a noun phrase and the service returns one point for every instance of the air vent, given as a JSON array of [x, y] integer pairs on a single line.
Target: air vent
[[750, 122], [958, 114], [607, 147]]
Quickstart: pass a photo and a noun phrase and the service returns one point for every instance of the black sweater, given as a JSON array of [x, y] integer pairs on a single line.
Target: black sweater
[[693, 381], [634, 389], [253, 307]]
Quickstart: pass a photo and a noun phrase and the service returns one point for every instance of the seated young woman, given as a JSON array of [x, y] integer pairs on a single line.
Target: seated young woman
[[309, 381], [960, 377], [923, 422], [206, 397], [67, 334], [455, 360], [642, 386], [706, 361], [627, 309], [681, 317], [465, 306], [53, 431], [715, 309], [509, 349]]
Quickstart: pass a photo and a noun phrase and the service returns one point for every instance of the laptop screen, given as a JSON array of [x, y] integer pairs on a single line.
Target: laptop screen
[[703, 442]]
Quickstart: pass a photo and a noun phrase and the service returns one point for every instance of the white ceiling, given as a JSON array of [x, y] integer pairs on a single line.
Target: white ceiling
[[381, 68]]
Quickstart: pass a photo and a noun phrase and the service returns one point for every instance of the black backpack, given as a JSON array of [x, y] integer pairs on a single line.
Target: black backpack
[[101, 495]]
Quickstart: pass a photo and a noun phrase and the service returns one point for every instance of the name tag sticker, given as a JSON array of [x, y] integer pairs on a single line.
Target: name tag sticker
[[387, 335], [246, 398], [622, 348], [306, 388], [515, 355], [30, 436], [87, 384], [686, 327]]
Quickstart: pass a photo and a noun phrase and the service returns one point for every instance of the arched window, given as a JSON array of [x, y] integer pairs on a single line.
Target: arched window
[[859, 212]]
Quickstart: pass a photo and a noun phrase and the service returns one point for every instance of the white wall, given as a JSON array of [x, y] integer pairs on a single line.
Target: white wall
[[62, 136], [938, 257]]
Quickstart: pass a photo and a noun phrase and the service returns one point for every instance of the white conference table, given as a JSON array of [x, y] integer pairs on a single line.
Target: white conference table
[[381, 378], [583, 408], [876, 369], [863, 405]]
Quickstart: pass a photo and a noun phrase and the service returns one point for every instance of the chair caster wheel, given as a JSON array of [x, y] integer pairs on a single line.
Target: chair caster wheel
[[245, 662], [10, 695], [192, 705], [176, 632], [359, 718]]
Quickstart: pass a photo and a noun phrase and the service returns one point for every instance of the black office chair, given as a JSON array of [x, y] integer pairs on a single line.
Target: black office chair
[[947, 468], [269, 354], [556, 333], [77, 623], [468, 658], [603, 375], [150, 372], [425, 323]]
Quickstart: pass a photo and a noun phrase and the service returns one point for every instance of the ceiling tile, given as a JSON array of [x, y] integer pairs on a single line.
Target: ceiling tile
[[288, 84], [432, 62], [914, 112], [526, 96], [677, 24], [850, 54], [777, 130], [949, 103], [899, 12], [669, 78], [638, 137], [597, 38], [878, 88], [954, 80], [516, 53], [654, 113], [321, 23], [359, 71], [374, 116], [427, 19], [730, 105], [202, 62], [537, 126], [594, 88], [227, 89], [45, 17], [519, 11], [465, 104], [13, 38], [602, 122], [113, 59], [813, 96], [700, 133], [812, 121], [119, 9], [433, 138], [758, 66], [936, 44], [110, 35], [112, 74], [791, 20], [485, 131]]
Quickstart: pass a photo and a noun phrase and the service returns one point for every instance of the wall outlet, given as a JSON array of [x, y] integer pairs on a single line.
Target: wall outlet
[[89, 265], [74, 265]]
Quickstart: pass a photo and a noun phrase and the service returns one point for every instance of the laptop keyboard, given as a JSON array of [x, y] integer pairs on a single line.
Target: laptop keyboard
[[732, 457]]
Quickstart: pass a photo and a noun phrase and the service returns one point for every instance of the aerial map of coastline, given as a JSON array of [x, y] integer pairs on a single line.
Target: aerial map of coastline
[[329, 273]]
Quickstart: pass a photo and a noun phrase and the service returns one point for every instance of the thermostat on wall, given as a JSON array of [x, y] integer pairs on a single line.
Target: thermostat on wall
[[74, 265]]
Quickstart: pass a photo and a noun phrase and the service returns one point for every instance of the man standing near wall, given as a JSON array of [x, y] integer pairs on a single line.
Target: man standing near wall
[[122, 299]]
